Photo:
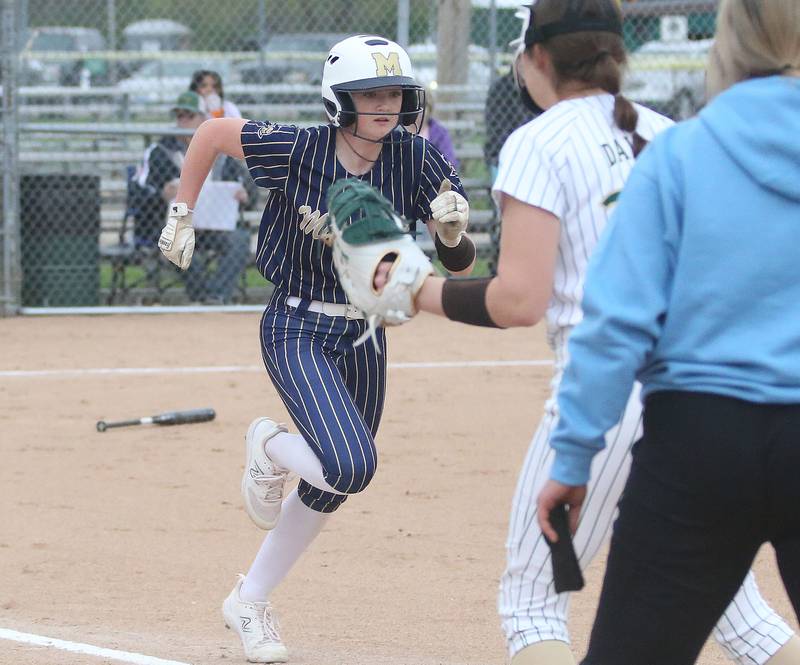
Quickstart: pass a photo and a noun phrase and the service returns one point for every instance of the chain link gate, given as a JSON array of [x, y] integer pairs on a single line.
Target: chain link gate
[[100, 110]]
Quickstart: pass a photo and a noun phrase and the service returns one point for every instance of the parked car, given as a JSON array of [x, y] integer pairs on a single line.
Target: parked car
[[161, 80], [669, 76], [37, 70], [295, 57], [158, 34]]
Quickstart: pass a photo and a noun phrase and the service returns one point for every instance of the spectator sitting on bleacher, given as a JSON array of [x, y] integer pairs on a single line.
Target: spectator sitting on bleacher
[[208, 84], [229, 243]]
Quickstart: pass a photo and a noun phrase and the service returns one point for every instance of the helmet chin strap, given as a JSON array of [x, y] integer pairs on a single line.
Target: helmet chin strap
[[344, 134]]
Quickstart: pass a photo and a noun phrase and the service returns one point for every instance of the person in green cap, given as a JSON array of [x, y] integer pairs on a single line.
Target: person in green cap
[[157, 179]]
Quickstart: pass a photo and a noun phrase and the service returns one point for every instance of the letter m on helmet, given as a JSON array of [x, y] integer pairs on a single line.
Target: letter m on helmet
[[387, 65]]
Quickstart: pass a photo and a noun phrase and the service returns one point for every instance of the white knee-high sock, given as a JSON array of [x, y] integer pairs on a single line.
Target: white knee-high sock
[[283, 546], [292, 451]]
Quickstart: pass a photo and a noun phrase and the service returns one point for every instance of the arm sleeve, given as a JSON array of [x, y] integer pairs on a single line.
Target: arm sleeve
[[625, 300], [267, 152], [529, 170], [435, 169]]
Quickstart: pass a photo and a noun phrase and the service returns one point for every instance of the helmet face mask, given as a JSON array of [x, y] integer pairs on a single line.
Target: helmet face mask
[[369, 62]]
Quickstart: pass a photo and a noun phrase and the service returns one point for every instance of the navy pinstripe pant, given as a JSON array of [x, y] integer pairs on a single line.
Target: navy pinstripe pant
[[333, 392]]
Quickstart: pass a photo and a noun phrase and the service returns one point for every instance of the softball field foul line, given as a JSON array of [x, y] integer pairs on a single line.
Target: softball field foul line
[[94, 371], [77, 647]]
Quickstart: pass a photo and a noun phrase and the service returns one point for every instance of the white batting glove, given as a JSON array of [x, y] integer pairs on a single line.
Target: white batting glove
[[450, 211], [177, 236]]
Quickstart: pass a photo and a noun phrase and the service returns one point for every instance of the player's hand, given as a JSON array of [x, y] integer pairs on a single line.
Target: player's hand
[[213, 104], [241, 195], [554, 494], [450, 211], [381, 275], [170, 190], [177, 236]]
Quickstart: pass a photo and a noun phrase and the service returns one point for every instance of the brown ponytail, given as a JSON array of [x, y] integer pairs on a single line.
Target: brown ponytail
[[595, 59], [626, 118]]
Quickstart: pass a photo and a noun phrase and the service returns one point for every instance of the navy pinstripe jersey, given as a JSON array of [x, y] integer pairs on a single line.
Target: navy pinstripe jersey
[[298, 165]]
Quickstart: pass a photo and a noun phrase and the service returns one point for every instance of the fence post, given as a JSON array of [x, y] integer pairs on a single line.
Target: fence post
[[111, 16], [452, 53], [263, 34], [11, 269], [453, 41], [403, 18], [492, 41]]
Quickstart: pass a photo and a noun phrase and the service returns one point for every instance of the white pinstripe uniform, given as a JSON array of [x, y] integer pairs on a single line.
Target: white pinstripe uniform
[[571, 161]]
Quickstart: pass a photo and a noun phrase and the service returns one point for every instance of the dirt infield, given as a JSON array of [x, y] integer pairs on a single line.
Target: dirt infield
[[130, 539]]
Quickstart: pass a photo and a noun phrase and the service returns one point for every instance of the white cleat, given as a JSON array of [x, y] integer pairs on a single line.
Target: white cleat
[[263, 482], [257, 627]]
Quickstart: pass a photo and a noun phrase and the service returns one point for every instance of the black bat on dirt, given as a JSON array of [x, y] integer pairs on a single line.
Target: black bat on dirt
[[169, 418]]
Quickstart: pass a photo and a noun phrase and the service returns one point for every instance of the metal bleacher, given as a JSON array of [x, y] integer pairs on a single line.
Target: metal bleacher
[[56, 143]]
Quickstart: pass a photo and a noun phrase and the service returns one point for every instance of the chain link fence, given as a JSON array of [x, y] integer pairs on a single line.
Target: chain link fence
[[94, 117]]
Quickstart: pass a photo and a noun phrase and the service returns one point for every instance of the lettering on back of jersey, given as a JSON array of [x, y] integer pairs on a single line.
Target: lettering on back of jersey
[[615, 152], [387, 65], [314, 224]]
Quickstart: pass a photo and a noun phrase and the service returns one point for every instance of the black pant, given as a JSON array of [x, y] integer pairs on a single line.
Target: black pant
[[712, 479]]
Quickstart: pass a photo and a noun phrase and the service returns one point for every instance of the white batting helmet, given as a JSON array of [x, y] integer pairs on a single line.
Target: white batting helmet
[[366, 62]]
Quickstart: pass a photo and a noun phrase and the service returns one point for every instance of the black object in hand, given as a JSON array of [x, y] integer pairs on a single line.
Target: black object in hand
[[567, 573]]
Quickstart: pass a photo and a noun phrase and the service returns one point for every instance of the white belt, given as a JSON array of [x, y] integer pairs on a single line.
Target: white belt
[[350, 312]]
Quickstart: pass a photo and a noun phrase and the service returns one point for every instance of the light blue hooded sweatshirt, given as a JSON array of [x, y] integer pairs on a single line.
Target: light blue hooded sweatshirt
[[695, 283]]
